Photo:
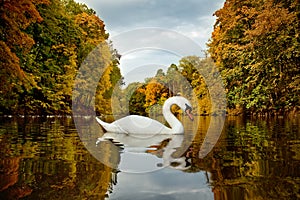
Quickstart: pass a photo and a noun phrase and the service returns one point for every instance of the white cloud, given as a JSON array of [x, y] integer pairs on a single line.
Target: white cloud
[[138, 65]]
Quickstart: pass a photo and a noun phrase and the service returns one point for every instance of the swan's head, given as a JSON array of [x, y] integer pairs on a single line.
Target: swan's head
[[184, 104], [188, 111]]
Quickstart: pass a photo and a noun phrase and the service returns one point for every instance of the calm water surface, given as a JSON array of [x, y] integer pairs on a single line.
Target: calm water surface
[[44, 158]]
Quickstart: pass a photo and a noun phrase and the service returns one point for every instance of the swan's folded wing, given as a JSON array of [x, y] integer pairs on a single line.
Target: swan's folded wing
[[141, 125], [110, 127]]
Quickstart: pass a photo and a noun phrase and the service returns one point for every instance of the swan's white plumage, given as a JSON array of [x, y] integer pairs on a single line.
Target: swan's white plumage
[[135, 124]]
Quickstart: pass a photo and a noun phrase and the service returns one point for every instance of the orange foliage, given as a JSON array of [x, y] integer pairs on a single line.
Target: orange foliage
[[155, 92], [16, 16], [92, 27]]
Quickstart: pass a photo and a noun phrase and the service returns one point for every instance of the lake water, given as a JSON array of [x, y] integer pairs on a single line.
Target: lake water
[[44, 158]]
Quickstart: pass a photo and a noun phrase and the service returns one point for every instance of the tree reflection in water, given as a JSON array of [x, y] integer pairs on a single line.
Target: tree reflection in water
[[43, 158]]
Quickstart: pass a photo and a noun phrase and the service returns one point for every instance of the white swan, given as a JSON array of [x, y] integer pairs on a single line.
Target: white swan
[[135, 124]]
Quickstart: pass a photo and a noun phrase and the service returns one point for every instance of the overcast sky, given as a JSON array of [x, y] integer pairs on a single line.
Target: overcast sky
[[192, 19]]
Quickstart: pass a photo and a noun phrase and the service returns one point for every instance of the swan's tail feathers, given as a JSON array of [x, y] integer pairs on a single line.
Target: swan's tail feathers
[[109, 127], [104, 125]]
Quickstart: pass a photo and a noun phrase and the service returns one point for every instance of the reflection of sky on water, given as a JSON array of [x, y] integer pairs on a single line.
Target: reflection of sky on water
[[138, 162], [163, 184]]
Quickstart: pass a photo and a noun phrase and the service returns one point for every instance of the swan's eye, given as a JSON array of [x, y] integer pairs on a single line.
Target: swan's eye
[[175, 164]]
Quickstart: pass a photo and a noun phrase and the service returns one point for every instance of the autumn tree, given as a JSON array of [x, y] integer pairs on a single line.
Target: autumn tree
[[256, 46], [44, 44], [136, 99], [53, 60], [155, 93], [15, 43], [190, 67]]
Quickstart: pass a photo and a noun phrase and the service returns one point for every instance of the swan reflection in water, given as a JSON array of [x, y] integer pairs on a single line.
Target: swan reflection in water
[[142, 150]]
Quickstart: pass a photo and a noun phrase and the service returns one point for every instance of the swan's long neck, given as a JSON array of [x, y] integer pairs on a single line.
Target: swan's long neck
[[175, 124]]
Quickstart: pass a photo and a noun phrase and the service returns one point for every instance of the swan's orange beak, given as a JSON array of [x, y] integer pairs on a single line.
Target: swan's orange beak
[[189, 114]]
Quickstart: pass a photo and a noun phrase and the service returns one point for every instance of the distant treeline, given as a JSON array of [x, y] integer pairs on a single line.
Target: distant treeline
[[255, 45], [184, 79]]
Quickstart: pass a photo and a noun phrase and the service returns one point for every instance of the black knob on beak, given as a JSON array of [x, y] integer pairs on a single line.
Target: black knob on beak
[[188, 110]]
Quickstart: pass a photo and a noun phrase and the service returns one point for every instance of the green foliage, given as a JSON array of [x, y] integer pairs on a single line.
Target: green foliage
[[137, 101], [190, 67]]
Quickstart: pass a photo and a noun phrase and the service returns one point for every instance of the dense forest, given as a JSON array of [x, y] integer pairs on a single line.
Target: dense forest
[[255, 45], [43, 44]]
